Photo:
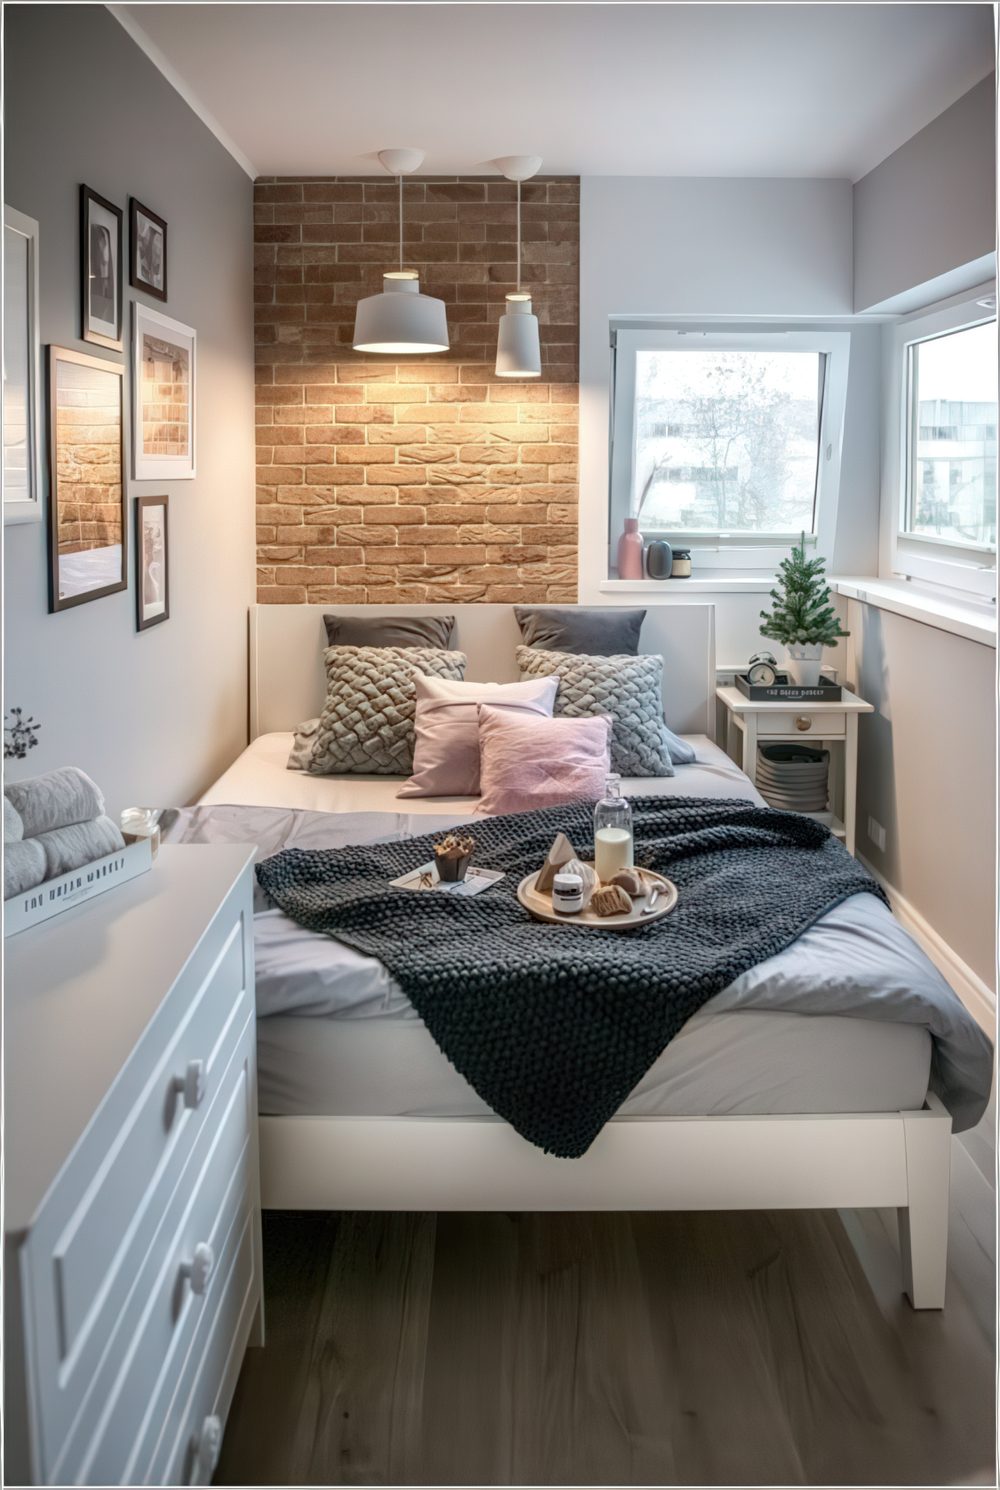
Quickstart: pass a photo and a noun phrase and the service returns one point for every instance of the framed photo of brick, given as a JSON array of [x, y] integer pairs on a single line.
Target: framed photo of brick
[[88, 543], [147, 267], [152, 579], [101, 270], [163, 397]]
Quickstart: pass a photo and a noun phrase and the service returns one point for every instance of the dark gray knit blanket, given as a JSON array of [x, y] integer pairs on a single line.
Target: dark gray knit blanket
[[554, 1025]]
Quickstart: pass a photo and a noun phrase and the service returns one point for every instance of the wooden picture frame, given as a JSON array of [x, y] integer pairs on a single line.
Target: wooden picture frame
[[152, 562], [164, 373], [85, 560], [101, 270], [147, 260], [22, 371]]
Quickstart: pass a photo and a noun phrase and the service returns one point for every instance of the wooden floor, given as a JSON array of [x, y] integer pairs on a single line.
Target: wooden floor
[[694, 1349]]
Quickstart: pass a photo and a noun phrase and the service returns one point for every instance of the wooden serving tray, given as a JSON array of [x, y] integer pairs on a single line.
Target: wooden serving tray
[[538, 903]]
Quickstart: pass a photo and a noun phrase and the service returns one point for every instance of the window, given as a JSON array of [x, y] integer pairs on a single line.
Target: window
[[945, 512], [725, 442]]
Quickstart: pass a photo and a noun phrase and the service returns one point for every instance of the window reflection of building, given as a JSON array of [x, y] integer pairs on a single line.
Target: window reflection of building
[[956, 456]]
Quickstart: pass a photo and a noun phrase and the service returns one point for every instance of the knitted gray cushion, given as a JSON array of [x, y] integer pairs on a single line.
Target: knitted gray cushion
[[629, 689], [367, 721]]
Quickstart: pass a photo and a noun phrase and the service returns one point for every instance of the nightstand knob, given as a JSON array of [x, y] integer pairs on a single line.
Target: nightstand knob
[[206, 1444], [803, 722], [192, 1084], [199, 1270]]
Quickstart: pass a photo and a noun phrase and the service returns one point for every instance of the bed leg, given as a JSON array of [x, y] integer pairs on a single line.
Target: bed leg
[[923, 1221]]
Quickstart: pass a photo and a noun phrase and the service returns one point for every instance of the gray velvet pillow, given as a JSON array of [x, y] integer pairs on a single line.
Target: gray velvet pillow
[[389, 631], [367, 721], [584, 630], [629, 689]]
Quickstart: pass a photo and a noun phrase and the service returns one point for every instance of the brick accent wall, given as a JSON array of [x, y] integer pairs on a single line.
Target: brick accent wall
[[425, 479]]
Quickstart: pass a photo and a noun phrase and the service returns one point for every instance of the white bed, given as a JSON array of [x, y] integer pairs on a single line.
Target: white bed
[[361, 1111]]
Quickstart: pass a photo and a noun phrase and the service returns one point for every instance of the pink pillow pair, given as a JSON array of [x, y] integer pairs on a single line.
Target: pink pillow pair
[[527, 761], [446, 729]]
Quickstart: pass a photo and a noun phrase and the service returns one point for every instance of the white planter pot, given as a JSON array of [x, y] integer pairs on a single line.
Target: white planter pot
[[803, 663]]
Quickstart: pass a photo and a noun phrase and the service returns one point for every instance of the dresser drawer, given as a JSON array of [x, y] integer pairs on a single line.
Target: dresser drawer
[[97, 1224], [216, 1201], [801, 722]]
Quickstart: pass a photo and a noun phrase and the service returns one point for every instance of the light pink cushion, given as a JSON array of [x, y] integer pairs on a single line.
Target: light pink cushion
[[533, 762], [446, 727]]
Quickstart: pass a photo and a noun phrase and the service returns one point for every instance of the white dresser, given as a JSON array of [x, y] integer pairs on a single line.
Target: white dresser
[[132, 1229]]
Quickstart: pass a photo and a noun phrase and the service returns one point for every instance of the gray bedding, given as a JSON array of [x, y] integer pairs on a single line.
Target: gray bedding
[[856, 963]]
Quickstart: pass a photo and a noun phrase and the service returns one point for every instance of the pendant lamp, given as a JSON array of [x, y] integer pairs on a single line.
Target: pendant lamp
[[519, 353], [400, 321]]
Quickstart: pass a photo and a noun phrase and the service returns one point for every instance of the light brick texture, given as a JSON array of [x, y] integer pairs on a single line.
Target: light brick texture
[[426, 479]]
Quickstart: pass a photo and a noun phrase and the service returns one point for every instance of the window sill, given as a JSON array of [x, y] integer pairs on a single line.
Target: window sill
[[719, 584], [976, 623]]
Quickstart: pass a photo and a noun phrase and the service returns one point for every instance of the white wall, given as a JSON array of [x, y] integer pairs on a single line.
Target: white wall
[[930, 208], [153, 716], [676, 247]]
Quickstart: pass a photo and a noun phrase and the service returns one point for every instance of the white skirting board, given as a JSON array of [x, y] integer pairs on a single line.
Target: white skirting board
[[977, 996]]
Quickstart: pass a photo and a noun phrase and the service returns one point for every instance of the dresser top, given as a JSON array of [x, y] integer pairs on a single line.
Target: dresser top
[[80, 989]]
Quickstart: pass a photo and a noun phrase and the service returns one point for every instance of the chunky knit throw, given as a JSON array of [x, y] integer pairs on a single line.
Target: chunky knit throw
[[554, 1025]]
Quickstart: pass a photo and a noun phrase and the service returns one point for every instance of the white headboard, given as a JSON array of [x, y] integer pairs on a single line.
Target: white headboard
[[287, 680]]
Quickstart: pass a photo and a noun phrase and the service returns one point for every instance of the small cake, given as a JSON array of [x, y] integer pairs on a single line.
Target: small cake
[[610, 900], [587, 873], [630, 881], [453, 854]]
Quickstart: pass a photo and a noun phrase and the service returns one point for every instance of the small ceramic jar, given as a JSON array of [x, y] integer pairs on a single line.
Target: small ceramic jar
[[681, 566], [567, 893]]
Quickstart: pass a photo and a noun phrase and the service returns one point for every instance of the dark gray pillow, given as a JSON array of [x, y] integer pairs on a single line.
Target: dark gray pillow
[[389, 631], [584, 630]]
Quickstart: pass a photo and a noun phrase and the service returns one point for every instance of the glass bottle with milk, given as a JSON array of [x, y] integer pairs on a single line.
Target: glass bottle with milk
[[612, 832]]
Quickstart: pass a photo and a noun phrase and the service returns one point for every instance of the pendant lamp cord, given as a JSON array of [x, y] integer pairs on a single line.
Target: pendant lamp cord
[[400, 222], [519, 237]]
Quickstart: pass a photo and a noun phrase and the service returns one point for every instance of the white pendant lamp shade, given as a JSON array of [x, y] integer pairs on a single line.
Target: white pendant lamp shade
[[400, 322], [519, 353]]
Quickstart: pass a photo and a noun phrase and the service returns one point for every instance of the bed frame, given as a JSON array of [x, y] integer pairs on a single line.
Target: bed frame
[[808, 1162]]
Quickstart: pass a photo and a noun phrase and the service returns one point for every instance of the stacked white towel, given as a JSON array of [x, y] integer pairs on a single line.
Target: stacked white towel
[[52, 824]]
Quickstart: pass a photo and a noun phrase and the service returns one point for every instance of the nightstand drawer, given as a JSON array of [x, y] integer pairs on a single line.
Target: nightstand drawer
[[802, 722]]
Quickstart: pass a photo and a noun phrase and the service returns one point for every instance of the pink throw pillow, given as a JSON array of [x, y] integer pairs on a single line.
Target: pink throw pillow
[[526, 763], [446, 730]]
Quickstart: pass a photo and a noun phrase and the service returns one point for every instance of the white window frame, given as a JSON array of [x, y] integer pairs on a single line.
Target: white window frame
[[963, 570], [746, 553]]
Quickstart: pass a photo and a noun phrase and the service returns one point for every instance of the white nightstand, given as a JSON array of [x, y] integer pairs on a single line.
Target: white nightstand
[[833, 724]]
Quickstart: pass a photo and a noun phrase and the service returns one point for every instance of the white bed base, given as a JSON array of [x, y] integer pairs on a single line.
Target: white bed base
[[804, 1162]]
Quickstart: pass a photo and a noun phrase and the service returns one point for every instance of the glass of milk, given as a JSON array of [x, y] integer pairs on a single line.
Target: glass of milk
[[612, 832]]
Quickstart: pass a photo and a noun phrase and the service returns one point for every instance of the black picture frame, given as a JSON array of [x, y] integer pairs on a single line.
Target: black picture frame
[[91, 234], [59, 356], [147, 615], [135, 277]]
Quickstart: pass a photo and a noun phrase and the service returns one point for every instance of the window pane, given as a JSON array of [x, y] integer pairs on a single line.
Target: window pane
[[953, 459], [727, 442]]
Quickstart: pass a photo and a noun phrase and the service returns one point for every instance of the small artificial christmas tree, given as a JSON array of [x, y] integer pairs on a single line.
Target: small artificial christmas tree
[[802, 614]]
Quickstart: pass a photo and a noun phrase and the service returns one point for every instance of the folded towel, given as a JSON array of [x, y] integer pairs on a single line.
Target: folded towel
[[55, 800], [23, 866], [79, 844], [13, 828]]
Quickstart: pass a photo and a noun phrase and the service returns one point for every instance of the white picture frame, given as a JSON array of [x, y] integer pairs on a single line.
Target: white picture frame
[[161, 345], [22, 363]]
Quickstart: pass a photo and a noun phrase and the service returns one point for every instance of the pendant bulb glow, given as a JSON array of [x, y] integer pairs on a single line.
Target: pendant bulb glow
[[519, 352], [400, 322]]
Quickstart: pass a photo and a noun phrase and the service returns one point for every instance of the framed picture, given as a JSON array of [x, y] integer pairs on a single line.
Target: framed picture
[[22, 403], [163, 389], [101, 269], [88, 544], [147, 269], [152, 585]]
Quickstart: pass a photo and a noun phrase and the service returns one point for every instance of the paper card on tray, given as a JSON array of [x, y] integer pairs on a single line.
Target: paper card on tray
[[426, 878]]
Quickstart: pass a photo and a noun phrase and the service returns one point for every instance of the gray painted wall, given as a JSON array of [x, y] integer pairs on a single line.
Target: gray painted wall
[[153, 716], [926, 772], [930, 207]]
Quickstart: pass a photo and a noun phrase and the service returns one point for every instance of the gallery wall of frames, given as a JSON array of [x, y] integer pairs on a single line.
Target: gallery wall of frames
[[91, 420]]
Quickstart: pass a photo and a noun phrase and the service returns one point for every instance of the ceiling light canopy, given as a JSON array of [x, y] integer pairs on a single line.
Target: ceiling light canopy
[[400, 322], [519, 353]]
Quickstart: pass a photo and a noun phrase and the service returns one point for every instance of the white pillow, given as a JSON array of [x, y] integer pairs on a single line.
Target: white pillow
[[446, 726]]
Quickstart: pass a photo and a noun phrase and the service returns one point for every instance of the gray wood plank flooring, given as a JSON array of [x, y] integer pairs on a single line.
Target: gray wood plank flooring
[[694, 1349]]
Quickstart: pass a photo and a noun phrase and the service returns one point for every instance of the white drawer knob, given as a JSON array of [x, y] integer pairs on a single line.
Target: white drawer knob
[[206, 1444], [199, 1270], [192, 1084]]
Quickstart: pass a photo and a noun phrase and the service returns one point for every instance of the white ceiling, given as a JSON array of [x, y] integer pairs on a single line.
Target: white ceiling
[[595, 89]]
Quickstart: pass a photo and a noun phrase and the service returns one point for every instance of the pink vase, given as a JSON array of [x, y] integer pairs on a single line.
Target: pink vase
[[630, 551]]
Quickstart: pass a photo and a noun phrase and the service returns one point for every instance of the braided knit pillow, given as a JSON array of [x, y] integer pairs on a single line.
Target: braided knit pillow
[[629, 689], [367, 721]]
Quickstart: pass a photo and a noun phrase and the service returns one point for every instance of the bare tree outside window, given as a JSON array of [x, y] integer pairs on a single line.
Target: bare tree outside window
[[730, 440]]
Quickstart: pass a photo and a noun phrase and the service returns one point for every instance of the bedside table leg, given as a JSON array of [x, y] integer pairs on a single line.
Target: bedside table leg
[[850, 781]]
